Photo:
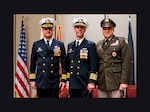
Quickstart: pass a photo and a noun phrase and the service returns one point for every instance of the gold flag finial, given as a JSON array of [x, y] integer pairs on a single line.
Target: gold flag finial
[[22, 18]]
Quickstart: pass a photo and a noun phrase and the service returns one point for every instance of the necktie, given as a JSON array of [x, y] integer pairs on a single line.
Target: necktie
[[77, 44], [105, 42], [77, 48], [47, 43]]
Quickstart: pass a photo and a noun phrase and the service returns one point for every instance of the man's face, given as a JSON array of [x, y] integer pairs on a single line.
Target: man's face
[[108, 31], [79, 30], [47, 32]]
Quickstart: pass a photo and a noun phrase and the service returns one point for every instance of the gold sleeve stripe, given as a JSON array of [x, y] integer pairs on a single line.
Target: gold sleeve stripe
[[32, 76], [64, 76], [93, 76], [68, 75]]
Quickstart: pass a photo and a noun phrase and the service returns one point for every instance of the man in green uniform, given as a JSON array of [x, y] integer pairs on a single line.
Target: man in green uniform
[[115, 62]]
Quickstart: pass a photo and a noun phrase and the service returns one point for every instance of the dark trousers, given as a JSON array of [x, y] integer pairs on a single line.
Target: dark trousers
[[79, 93], [42, 93]]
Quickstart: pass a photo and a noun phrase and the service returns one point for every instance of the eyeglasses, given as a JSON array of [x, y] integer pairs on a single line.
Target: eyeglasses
[[47, 28]]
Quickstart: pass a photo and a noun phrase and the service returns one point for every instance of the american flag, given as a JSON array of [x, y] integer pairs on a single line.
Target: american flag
[[21, 77]]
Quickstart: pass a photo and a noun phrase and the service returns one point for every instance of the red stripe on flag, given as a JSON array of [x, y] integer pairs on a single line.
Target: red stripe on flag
[[18, 91], [23, 79], [23, 71], [20, 80]]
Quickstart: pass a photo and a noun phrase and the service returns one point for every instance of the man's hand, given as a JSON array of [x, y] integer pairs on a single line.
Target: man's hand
[[90, 86], [33, 85], [123, 86], [61, 85]]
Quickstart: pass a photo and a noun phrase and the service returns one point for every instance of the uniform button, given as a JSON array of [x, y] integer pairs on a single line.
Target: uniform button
[[51, 71], [52, 58], [78, 67], [71, 72], [78, 73], [43, 57], [43, 64], [78, 61], [72, 61], [43, 71], [71, 66], [51, 64]]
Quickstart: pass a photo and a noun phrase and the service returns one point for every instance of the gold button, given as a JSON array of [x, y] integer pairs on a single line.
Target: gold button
[[51, 71], [51, 57], [78, 61], [43, 57], [51, 64], [71, 66], [72, 61], [78, 67], [43, 71], [71, 72], [78, 73], [43, 64]]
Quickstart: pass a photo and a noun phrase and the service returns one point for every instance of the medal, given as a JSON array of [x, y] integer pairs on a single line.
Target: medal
[[83, 53], [114, 54], [57, 51]]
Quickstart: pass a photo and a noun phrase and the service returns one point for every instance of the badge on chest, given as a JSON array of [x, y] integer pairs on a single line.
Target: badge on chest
[[83, 53], [57, 51]]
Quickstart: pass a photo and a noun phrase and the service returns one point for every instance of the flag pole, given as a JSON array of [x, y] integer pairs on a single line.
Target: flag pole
[[59, 38], [55, 26], [41, 35], [104, 15]]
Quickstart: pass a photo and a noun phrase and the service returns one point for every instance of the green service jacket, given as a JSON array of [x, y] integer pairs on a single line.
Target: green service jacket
[[115, 63]]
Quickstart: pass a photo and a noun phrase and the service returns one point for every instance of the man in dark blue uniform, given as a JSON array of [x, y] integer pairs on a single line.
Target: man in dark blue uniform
[[46, 56], [82, 62], [115, 62]]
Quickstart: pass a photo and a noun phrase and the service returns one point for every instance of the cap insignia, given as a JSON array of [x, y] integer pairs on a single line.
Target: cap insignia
[[80, 20], [47, 21]]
